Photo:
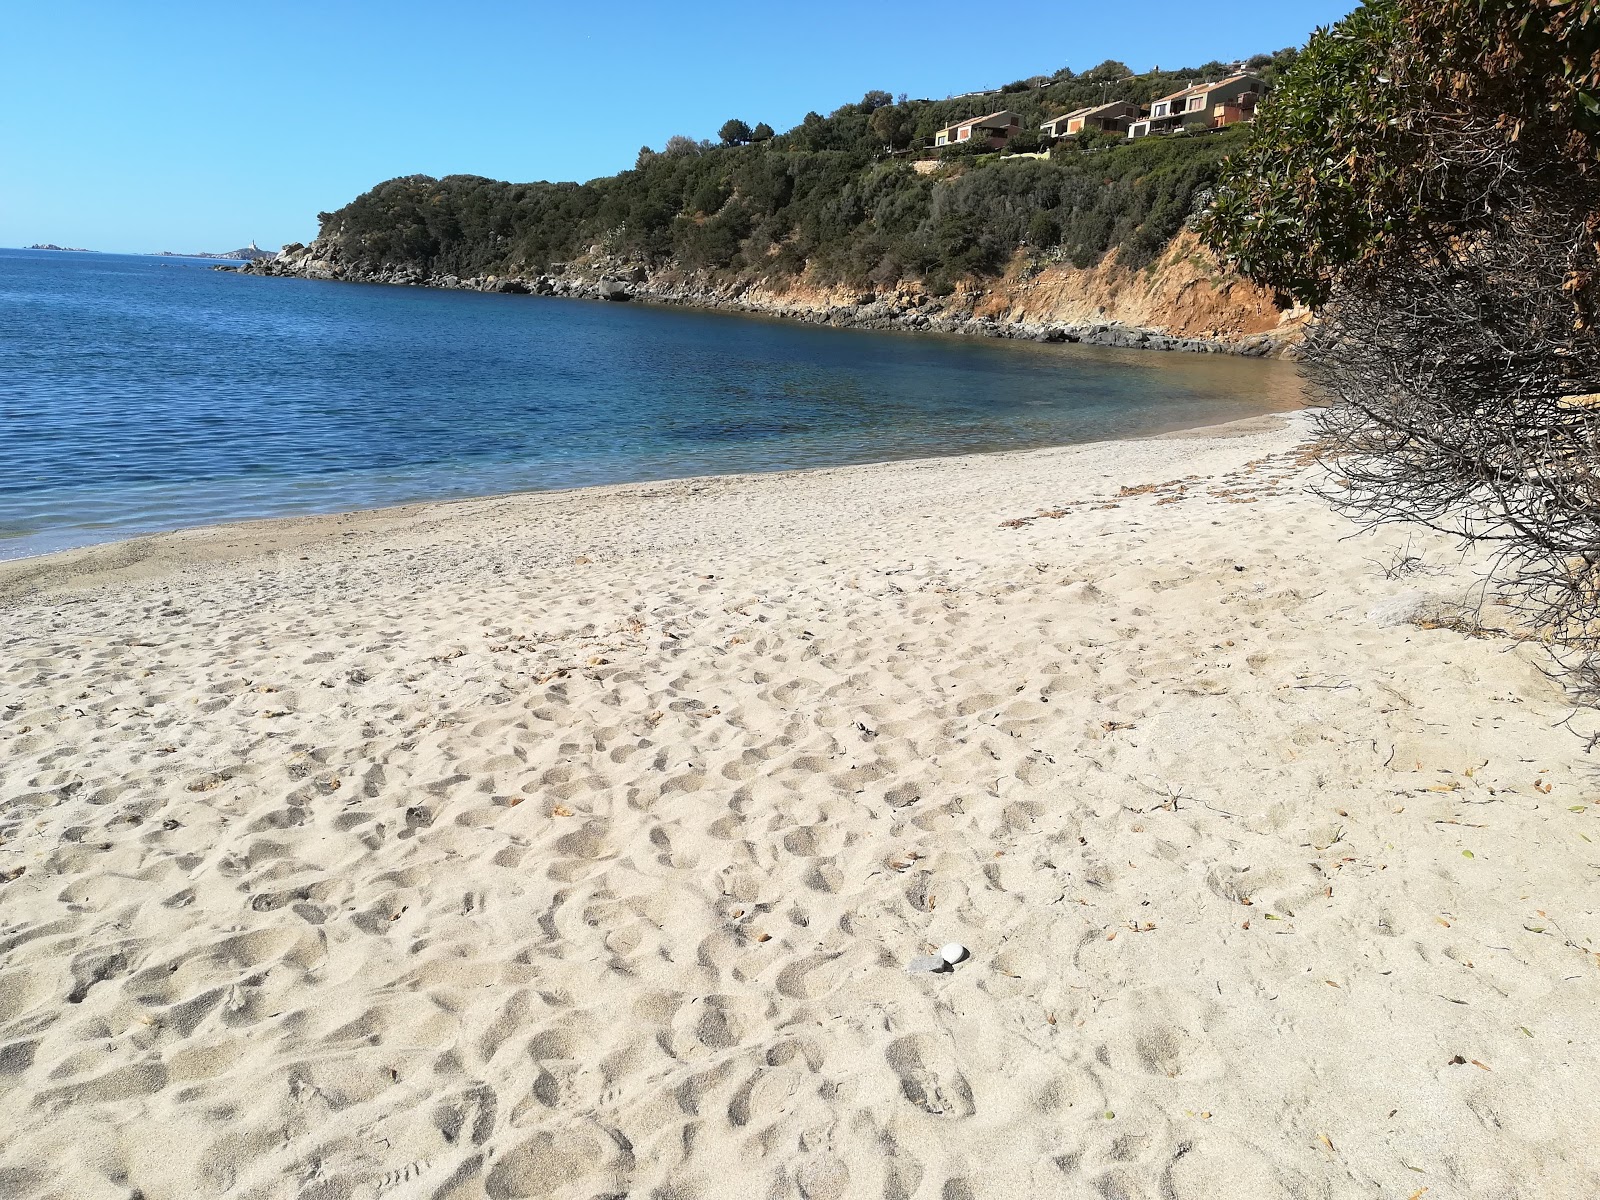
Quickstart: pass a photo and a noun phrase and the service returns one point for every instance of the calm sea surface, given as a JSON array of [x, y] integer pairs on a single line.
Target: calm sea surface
[[142, 394]]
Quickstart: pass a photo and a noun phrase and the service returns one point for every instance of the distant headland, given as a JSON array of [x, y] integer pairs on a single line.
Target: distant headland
[[250, 253], [53, 246], [1054, 207]]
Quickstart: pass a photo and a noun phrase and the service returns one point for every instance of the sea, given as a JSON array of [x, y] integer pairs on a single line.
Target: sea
[[141, 394]]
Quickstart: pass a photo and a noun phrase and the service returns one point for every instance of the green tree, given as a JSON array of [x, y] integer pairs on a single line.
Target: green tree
[[1110, 69], [1044, 230], [1318, 188], [1345, 163], [680, 146], [891, 125], [761, 133], [734, 132], [1025, 141]]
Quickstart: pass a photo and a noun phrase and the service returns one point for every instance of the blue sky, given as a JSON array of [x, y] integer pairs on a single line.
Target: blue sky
[[200, 125]]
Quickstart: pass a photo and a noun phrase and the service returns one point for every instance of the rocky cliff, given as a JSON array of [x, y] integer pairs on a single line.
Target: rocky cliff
[[1182, 301]]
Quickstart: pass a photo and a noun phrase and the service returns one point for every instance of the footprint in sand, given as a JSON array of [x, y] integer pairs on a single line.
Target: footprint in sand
[[929, 1077]]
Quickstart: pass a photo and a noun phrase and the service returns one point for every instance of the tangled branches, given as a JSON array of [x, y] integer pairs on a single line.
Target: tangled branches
[[1464, 392]]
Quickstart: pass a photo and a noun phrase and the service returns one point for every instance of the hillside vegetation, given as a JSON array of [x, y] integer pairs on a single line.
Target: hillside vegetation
[[834, 198]]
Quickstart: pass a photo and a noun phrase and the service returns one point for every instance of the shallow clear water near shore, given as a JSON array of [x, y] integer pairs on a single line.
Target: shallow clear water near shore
[[144, 394]]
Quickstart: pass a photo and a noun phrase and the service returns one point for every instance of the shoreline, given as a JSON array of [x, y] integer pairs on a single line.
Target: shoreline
[[284, 530], [913, 312], [588, 843]]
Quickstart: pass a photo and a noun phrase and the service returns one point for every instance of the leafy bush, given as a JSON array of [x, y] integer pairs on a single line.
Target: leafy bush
[[1025, 142], [1044, 230], [1289, 211], [1348, 157]]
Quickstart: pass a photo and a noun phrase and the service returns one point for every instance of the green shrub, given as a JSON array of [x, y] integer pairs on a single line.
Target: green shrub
[[1044, 230]]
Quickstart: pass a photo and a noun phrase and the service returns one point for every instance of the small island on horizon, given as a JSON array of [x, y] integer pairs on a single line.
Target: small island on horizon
[[53, 246]]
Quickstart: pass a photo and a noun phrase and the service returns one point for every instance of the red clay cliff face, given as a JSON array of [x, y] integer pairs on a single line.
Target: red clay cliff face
[[1185, 293]]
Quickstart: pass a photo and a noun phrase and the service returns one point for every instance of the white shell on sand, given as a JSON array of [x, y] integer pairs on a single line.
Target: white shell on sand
[[952, 952]]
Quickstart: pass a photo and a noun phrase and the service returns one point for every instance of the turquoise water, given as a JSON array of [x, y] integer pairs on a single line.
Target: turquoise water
[[142, 394]]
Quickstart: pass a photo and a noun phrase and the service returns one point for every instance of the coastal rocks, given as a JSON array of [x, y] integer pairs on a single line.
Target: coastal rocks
[[617, 280], [1137, 338]]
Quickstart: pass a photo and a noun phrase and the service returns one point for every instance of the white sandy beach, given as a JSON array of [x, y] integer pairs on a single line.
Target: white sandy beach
[[575, 845]]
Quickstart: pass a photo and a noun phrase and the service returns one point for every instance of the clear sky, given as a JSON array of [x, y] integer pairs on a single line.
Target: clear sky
[[201, 124]]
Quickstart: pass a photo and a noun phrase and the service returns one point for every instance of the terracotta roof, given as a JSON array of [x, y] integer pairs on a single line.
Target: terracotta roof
[[1004, 112], [1077, 112], [1086, 112], [1201, 88]]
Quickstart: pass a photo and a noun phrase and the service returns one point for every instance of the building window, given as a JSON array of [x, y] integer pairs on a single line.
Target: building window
[[964, 133]]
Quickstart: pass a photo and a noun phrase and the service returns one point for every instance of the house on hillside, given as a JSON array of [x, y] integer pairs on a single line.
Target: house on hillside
[[1204, 106], [995, 130], [1114, 117]]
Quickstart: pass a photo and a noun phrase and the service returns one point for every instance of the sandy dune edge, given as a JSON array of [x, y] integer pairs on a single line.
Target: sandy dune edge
[[574, 845]]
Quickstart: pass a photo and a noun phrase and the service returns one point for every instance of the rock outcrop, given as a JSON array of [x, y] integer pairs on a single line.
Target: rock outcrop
[[1182, 302]]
